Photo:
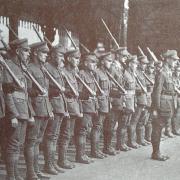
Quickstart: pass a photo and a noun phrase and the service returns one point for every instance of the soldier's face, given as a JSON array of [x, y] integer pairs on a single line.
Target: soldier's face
[[91, 65], [143, 66], [23, 54], [150, 70], [59, 59], [74, 61], [133, 66], [42, 56]]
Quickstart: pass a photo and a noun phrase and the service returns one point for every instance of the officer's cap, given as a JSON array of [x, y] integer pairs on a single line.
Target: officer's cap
[[58, 49], [90, 57], [121, 51], [105, 56], [40, 46], [143, 59], [132, 59], [73, 52], [171, 54], [19, 43]]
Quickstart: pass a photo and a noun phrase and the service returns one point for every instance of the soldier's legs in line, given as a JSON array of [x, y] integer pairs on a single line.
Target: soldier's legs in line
[[13, 144], [63, 143], [2, 140], [140, 129], [29, 149], [108, 130], [148, 127], [168, 131], [95, 136], [157, 126], [175, 122], [81, 129], [49, 146], [41, 127], [123, 123], [132, 128]]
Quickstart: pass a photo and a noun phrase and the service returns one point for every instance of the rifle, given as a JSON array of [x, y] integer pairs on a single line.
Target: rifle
[[140, 84], [116, 83], [24, 68], [145, 75], [152, 55]]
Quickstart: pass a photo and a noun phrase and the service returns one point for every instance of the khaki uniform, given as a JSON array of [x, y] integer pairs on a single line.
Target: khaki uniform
[[163, 100]]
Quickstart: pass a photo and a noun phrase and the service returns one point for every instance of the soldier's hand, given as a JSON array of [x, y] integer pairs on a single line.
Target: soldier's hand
[[155, 113], [45, 92], [51, 115], [31, 121], [14, 122]]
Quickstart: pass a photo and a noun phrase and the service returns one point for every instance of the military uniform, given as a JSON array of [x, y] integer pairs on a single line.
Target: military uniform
[[163, 103], [150, 86], [17, 106], [103, 122], [43, 113], [136, 128], [74, 109], [58, 102], [90, 107], [129, 83]]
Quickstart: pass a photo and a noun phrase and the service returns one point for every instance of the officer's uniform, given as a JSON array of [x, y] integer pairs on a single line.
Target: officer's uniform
[[163, 101], [17, 106], [103, 122], [74, 109], [136, 128], [58, 102], [129, 83], [90, 111], [43, 112]]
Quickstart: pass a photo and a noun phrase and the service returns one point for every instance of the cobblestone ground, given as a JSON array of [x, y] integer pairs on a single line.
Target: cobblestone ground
[[132, 165]]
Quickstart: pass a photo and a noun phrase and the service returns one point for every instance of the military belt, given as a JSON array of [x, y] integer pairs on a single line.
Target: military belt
[[130, 92], [168, 93], [19, 95], [164, 96]]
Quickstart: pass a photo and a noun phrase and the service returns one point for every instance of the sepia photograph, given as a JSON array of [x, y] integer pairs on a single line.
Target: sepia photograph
[[89, 90]]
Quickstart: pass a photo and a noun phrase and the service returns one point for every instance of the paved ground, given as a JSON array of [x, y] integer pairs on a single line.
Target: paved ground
[[133, 165]]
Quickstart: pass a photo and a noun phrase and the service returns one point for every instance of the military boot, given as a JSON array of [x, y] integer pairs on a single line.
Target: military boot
[[10, 166], [16, 171], [95, 152], [36, 167], [48, 157], [29, 159], [148, 132], [132, 138], [62, 158], [108, 149], [81, 156], [168, 132], [121, 140], [140, 136], [54, 163]]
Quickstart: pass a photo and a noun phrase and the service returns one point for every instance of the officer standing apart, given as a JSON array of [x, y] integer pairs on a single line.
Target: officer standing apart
[[164, 102]]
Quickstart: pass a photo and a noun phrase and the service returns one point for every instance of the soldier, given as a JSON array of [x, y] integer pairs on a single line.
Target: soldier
[[129, 83], [175, 119], [18, 109], [58, 101], [73, 104], [163, 101], [42, 108], [89, 105], [103, 122], [2, 114], [151, 75], [136, 128]]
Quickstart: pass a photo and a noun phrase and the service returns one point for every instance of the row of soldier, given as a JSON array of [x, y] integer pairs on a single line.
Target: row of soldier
[[50, 95]]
